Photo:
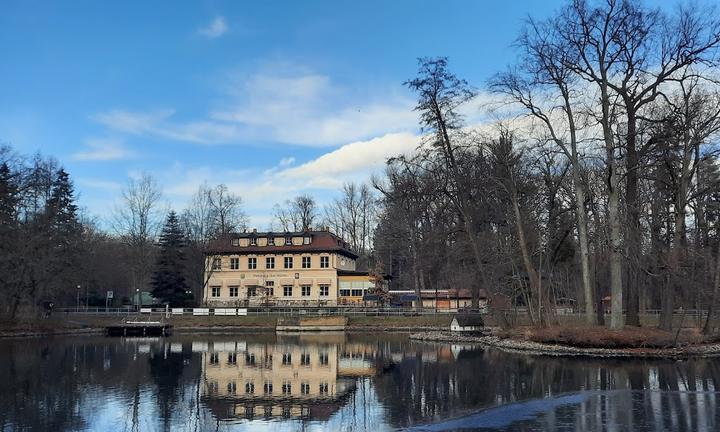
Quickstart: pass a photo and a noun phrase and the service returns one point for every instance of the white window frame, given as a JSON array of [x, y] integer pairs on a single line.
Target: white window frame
[[252, 263], [305, 259], [326, 263]]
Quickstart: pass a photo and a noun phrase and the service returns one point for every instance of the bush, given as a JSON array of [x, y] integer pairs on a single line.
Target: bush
[[601, 337]]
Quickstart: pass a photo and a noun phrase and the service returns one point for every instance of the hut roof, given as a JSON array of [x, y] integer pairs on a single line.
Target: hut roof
[[468, 320]]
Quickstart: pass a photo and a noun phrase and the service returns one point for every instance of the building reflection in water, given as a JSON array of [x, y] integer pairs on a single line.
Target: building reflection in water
[[306, 377]]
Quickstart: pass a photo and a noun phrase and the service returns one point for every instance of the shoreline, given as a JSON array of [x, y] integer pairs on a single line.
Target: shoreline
[[517, 346], [183, 330]]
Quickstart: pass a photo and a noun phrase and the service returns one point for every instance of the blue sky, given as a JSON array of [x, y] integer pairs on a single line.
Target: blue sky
[[271, 98]]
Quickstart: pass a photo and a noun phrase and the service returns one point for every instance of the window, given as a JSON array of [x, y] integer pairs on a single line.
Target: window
[[250, 359], [288, 241], [324, 359], [324, 290], [357, 293], [344, 293], [269, 262], [288, 262], [235, 242], [271, 241], [323, 388], [250, 387], [267, 410], [305, 290], [286, 387], [249, 411], [215, 291], [234, 263], [233, 291], [306, 262], [232, 387], [305, 388], [305, 359], [232, 358], [217, 264], [252, 263], [251, 291], [267, 388], [287, 290], [324, 262], [214, 358], [269, 288], [213, 387], [306, 240], [287, 359], [253, 241]]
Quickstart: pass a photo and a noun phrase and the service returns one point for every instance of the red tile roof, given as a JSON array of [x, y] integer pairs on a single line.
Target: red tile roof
[[321, 241]]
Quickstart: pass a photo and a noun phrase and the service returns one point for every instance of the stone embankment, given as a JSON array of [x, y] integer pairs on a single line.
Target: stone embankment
[[521, 346]]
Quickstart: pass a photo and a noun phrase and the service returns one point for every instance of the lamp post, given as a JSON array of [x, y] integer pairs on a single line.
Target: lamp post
[[137, 299], [77, 304]]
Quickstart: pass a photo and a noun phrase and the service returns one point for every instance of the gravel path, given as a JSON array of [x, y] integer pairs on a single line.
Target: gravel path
[[536, 348]]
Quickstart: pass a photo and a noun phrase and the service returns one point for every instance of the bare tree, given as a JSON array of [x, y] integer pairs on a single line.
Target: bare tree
[[298, 214], [137, 222], [227, 212]]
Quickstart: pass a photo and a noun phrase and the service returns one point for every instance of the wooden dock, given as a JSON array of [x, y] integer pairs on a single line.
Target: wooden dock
[[313, 324], [139, 328]]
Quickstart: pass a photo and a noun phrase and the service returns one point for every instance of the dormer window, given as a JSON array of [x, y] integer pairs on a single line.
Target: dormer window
[[253, 241], [236, 242], [288, 241], [306, 240], [271, 241]]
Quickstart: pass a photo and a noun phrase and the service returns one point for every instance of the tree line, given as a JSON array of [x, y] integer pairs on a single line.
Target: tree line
[[599, 189]]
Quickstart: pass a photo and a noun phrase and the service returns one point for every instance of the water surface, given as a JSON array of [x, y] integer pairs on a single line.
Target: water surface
[[339, 382]]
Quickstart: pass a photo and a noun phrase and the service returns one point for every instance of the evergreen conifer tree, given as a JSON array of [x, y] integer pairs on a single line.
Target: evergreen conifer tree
[[168, 280]]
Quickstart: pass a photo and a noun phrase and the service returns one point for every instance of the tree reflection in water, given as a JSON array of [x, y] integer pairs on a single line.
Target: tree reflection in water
[[355, 382]]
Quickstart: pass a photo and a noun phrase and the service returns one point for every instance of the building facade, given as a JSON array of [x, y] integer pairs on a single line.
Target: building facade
[[280, 269]]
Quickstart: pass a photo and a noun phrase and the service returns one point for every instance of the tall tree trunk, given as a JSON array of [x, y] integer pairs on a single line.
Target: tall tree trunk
[[590, 316], [632, 224], [535, 287]]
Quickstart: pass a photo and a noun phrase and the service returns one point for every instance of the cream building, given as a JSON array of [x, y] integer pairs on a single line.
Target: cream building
[[294, 268]]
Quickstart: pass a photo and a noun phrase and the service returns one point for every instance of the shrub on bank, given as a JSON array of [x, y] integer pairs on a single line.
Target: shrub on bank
[[601, 337]]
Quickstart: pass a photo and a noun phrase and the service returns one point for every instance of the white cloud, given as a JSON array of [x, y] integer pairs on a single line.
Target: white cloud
[[286, 161], [354, 161], [302, 108], [261, 190], [215, 29], [103, 149], [105, 185]]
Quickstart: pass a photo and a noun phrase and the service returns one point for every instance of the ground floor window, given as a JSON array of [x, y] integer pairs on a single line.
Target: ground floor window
[[324, 290], [305, 290], [344, 293], [287, 290], [357, 293], [251, 291], [233, 291], [269, 288], [215, 291]]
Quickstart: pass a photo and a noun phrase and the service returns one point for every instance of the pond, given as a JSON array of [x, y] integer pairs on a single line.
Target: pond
[[334, 382]]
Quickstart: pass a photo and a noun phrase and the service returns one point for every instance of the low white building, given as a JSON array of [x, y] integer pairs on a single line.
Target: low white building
[[467, 323]]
